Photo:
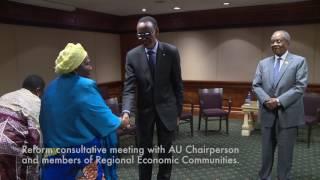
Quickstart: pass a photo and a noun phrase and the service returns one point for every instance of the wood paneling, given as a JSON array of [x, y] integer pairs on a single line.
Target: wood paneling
[[16, 13], [236, 90], [110, 89], [127, 42], [314, 88]]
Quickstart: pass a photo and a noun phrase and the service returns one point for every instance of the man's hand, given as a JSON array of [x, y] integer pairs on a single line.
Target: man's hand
[[125, 120], [272, 103]]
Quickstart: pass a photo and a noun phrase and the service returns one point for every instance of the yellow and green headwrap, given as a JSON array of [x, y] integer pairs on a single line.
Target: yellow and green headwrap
[[70, 58]]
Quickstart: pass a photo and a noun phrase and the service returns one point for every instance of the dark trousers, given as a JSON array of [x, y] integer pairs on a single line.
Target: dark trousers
[[145, 140], [285, 139]]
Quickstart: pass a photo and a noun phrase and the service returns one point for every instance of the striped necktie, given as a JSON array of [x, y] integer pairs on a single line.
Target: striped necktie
[[276, 70]]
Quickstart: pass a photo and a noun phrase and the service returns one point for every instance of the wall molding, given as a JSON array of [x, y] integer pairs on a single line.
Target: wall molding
[[80, 19]]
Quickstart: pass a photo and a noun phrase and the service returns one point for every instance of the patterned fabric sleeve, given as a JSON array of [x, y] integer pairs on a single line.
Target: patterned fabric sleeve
[[33, 137]]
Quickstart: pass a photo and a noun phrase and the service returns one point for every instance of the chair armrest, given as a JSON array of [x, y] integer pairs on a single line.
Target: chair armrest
[[229, 101], [188, 103]]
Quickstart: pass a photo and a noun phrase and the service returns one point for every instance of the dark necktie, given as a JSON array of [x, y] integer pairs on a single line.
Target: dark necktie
[[152, 60], [152, 57], [276, 70]]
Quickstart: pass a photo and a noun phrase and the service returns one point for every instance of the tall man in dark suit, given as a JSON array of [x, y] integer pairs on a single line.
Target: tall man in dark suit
[[153, 77], [279, 84]]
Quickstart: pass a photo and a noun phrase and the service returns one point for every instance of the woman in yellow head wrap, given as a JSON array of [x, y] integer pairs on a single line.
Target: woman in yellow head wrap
[[73, 58], [74, 115]]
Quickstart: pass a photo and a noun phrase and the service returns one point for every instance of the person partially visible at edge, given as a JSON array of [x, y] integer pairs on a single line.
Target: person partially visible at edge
[[19, 127], [74, 115], [153, 79], [279, 83]]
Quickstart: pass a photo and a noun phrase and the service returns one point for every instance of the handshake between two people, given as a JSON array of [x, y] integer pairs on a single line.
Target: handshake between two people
[[125, 121]]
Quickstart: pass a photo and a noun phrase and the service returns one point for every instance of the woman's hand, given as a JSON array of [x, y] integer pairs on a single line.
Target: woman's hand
[[125, 120]]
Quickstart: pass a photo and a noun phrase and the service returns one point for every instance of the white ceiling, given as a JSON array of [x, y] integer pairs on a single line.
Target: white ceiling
[[133, 7]]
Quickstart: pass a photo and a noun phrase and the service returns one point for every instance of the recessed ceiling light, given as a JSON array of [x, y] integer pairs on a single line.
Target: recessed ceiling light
[[144, 10], [226, 4], [176, 8]]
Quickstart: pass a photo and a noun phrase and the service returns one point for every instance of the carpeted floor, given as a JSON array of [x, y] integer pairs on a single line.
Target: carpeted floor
[[241, 165]]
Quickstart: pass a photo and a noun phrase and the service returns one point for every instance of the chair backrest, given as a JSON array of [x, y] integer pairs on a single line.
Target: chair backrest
[[113, 105], [311, 103], [211, 98]]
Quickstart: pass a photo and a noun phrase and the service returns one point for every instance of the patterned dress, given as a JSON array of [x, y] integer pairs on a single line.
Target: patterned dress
[[19, 127]]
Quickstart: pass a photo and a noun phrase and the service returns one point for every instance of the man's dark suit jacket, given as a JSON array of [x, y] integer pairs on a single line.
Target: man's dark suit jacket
[[163, 92]]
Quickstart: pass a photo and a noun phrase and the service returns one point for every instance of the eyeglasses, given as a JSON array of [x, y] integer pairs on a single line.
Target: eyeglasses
[[144, 35]]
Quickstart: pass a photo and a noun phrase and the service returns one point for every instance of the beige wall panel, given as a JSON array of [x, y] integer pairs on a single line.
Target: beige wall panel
[[238, 53], [33, 50], [36, 50], [211, 55], [169, 37], [198, 54], [107, 57], [8, 62], [303, 43]]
